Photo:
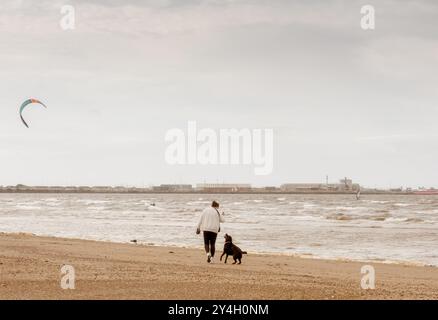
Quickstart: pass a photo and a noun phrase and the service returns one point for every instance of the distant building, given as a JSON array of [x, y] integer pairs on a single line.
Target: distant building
[[223, 187], [271, 189], [104, 189], [348, 185], [344, 185], [173, 188], [268, 189], [290, 187], [84, 189], [120, 189], [41, 188]]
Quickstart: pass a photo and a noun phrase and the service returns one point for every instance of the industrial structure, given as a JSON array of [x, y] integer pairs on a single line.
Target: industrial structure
[[344, 185], [223, 187]]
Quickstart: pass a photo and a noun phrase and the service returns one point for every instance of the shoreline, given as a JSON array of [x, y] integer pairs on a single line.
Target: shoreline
[[215, 193], [30, 269], [309, 256]]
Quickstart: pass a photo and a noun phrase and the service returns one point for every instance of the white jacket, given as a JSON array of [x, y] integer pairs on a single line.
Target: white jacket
[[210, 220]]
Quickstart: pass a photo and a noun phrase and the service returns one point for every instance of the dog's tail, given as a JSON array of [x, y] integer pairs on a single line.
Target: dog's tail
[[244, 252]]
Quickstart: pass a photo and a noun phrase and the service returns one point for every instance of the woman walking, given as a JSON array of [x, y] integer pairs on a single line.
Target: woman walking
[[210, 225]]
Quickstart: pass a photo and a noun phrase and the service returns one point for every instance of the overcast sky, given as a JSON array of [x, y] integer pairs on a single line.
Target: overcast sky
[[342, 101]]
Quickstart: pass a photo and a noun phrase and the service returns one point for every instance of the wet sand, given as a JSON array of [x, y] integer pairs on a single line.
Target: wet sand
[[30, 268]]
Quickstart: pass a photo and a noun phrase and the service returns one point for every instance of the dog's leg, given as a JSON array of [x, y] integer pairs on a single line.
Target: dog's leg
[[226, 257], [234, 260], [222, 256]]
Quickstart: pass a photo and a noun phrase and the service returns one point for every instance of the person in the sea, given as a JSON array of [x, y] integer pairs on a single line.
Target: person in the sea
[[210, 225]]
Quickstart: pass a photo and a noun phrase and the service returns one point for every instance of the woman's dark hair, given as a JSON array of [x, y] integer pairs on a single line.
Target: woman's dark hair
[[215, 204]]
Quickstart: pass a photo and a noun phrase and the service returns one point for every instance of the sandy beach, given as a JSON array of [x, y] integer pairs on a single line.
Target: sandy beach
[[30, 269]]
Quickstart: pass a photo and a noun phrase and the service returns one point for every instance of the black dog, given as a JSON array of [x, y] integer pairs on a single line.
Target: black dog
[[232, 250]]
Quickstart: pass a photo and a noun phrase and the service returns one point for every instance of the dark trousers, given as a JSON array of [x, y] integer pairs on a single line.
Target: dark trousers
[[209, 242]]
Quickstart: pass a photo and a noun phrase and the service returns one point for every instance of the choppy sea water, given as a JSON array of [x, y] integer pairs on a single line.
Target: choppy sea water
[[377, 227]]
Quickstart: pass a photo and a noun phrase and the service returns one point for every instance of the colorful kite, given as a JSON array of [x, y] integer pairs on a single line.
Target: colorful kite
[[25, 104]]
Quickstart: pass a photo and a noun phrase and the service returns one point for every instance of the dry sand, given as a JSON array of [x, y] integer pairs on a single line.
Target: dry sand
[[30, 269]]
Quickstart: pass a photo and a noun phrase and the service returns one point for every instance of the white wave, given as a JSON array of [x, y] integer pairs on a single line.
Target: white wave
[[51, 200], [192, 203], [347, 208], [263, 224], [28, 207], [91, 202], [376, 201], [403, 204]]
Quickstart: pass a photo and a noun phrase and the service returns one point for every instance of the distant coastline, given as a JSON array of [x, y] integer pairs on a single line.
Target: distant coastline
[[176, 190]]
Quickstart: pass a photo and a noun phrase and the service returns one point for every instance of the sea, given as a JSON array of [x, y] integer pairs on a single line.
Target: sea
[[384, 228]]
